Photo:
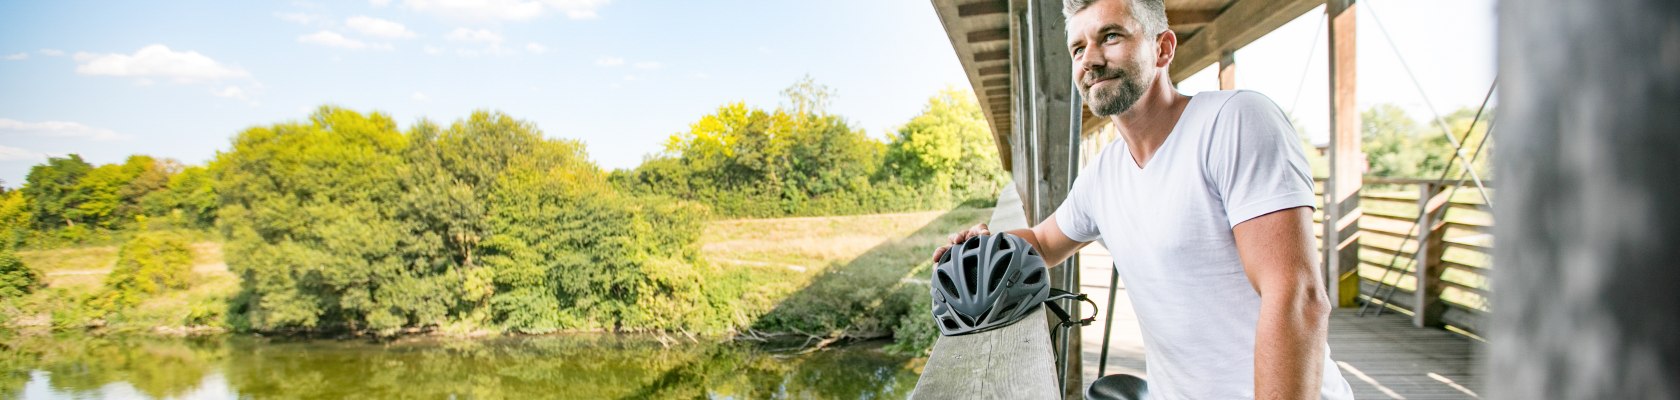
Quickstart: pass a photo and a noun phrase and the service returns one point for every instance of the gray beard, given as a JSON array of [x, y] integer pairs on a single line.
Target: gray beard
[[1115, 99]]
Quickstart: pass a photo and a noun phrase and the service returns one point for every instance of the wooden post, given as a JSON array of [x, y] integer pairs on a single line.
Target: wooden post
[[1227, 70], [1586, 293], [1426, 303], [1055, 134], [1347, 164]]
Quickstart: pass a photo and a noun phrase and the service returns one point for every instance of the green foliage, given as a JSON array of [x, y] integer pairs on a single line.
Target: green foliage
[[1398, 146], [16, 279], [344, 222], [748, 162], [68, 201], [15, 219], [53, 190], [147, 265], [947, 148]]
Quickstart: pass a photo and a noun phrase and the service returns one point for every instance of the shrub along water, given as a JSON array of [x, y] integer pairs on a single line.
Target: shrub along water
[[345, 223]]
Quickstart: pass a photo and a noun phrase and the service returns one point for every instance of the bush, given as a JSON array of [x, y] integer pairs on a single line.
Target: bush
[[16, 279], [147, 265]]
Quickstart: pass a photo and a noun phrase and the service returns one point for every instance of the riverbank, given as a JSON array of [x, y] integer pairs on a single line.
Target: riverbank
[[818, 280]]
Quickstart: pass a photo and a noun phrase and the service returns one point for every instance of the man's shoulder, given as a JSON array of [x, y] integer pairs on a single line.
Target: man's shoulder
[[1226, 102]]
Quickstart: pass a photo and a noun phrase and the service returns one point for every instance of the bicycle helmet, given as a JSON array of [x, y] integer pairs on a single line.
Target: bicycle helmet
[[987, 282]]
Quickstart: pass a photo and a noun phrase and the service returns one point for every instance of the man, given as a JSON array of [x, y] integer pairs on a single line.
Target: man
[[1206, 203]]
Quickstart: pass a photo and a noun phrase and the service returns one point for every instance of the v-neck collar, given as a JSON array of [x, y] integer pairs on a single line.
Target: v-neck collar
[[1154, 158]]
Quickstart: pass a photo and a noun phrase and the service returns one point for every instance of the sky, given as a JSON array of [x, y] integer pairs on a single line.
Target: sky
[[180, 79]]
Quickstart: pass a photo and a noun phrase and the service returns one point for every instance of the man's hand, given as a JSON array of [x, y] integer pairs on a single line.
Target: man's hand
[[959, 237], [1047, 237]]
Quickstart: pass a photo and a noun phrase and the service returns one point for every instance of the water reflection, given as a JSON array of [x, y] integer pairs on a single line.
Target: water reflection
[[573, 366]]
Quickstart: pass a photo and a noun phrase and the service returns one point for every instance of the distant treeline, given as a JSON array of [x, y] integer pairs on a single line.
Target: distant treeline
[[800, 160], [344, 222]]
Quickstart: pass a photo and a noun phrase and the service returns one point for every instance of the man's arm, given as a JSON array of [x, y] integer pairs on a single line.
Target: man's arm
[[1277, 255], [1053, 245]]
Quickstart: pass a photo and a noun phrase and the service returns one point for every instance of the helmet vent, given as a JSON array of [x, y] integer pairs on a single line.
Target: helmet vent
[[945, 283], [970, 276], [972, 243], [950, 325], [998, 269], [1003, 245], [982, 318], [1034, 278]]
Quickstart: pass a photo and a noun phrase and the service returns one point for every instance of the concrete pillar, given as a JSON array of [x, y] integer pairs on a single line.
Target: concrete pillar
[[1586, 277]]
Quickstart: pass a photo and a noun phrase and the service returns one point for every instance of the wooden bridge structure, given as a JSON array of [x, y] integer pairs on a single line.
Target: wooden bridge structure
[[1409, 250]]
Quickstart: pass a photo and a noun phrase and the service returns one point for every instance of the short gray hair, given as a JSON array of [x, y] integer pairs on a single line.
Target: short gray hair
[[1151, 14]]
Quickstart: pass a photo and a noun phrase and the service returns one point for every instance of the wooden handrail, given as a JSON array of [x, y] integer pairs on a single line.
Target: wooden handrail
[[1013, 362]]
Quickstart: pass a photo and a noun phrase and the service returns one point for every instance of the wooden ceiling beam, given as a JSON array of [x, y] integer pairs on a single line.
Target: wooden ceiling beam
[[982, 8], [1240, 24], [988, 35]]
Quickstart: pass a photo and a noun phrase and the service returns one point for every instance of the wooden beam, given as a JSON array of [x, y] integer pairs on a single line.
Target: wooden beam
[[1013, 362], [1427, 268], [1002, 81], [988, 35], [1190, 17], [994, 55], [1241, 23], [994, 70], [1347, 163], [982, 8], [1228, 71], [1054, 128]]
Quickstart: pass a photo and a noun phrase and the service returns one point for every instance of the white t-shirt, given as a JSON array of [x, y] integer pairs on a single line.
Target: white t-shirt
[[1232, 156]]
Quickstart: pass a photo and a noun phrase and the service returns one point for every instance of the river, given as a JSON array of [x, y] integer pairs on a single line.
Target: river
[[582, 366]]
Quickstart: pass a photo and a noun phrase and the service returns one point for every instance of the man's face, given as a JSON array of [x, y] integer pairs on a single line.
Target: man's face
[[1113, 58]]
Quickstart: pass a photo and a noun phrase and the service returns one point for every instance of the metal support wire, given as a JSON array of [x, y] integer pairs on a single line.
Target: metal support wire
[[1108, 323], [1468, 170], [1458, 153]]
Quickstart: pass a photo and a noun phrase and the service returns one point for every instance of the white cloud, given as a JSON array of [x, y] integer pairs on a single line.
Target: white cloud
[[8, 153], [51, 52], [609, 61], [433, 50], [506, 10], [379, 3], [57, 129], [630, 78], [378, 27], [702, 75], [536, 48], [484, 36], [157, 61], [420, 97], [231, 92], [333, 39], [648, 65], [299, 18], [577, 9], [17, 56]]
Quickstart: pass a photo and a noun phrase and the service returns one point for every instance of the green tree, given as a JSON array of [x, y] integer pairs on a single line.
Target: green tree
[[947, 148], [14, 219], [53, 191], [16, 279], [306, 209]]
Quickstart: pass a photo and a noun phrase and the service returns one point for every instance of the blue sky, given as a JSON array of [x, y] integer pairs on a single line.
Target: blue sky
[[178, 79]]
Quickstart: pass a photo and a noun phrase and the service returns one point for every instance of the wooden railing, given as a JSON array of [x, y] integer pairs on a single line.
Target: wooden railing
[[1013, 362], [1455, 250]]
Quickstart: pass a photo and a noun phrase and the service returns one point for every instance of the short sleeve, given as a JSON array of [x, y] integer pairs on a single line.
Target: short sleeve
[[1074, 216], [1254, 160]]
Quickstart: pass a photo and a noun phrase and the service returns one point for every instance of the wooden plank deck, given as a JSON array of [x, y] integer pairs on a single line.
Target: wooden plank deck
[[1381, 357]]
